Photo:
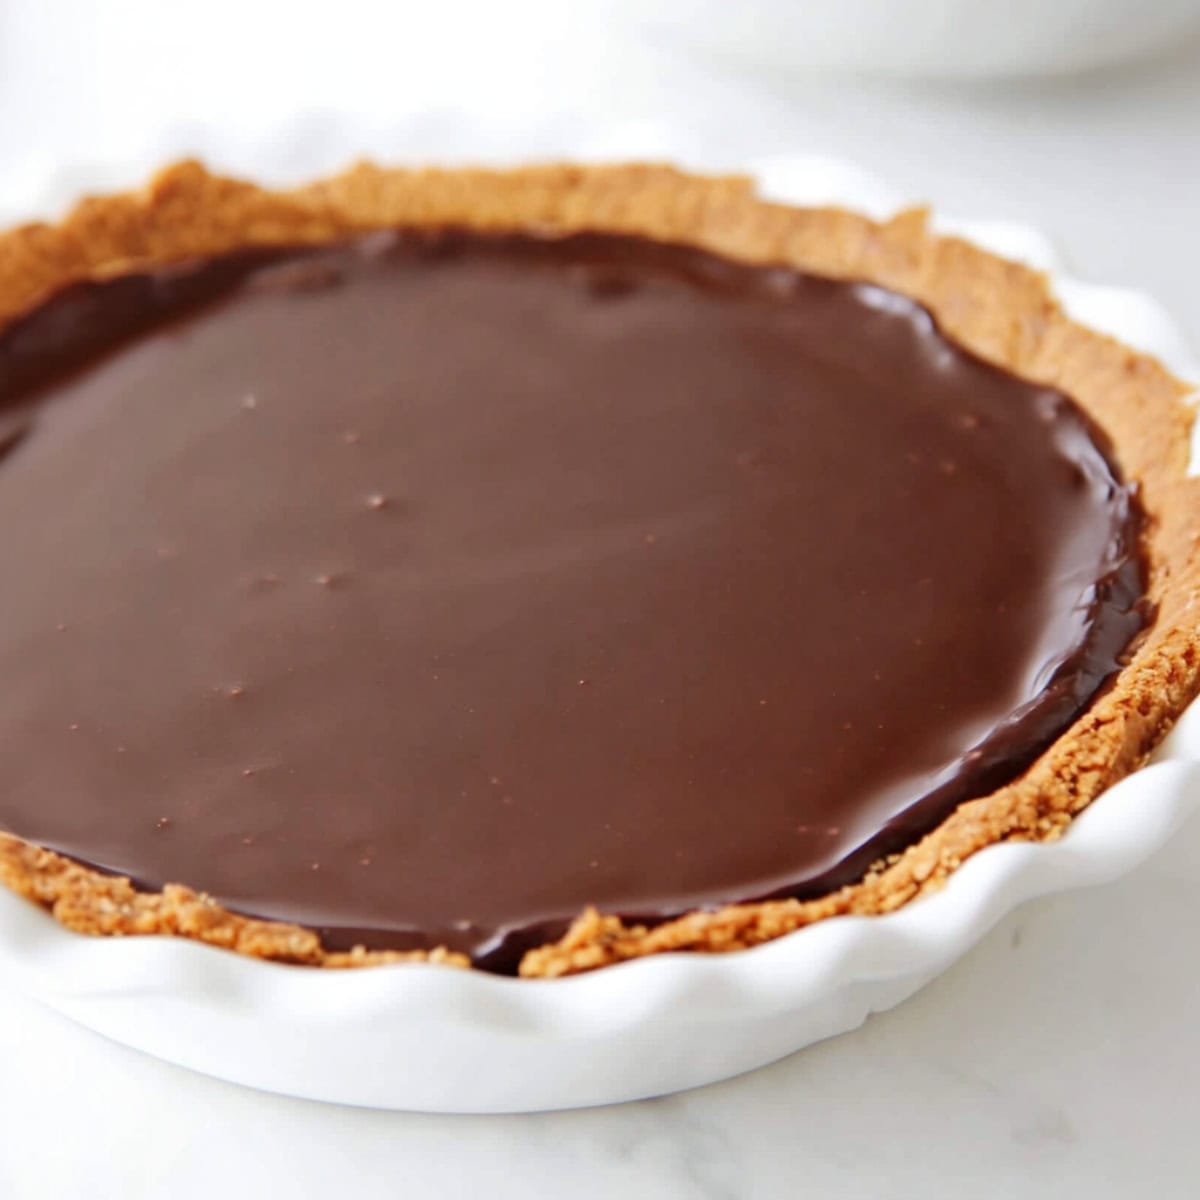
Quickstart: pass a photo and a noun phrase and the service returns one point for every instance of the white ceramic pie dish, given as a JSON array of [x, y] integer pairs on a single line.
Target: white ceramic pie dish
[[438, 1039]]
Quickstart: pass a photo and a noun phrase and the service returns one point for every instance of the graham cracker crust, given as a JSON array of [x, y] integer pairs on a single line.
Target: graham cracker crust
[[1000, 310]]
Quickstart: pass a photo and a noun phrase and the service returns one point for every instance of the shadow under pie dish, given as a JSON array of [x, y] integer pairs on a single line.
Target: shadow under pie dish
[[551, 567]]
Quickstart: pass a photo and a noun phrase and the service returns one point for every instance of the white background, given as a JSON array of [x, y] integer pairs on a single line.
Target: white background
[[1062, 1057]]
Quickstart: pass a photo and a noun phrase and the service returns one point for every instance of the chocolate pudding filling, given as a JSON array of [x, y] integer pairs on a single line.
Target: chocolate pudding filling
[[426, 589]]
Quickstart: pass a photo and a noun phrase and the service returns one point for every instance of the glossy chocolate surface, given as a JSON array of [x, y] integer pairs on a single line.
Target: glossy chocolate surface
[[426, 589]]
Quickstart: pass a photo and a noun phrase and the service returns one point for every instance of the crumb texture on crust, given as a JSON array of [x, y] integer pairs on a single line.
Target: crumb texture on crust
[[1000, 310], [89, 902]]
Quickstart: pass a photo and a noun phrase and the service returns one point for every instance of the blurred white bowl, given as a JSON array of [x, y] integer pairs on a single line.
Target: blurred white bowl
[[948, 39]]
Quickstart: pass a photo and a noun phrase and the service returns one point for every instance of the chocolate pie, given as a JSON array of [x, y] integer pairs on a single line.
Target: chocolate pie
[[544, 568]]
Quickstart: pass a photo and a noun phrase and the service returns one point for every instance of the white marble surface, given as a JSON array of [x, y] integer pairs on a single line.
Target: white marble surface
[[1062, 1057]]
